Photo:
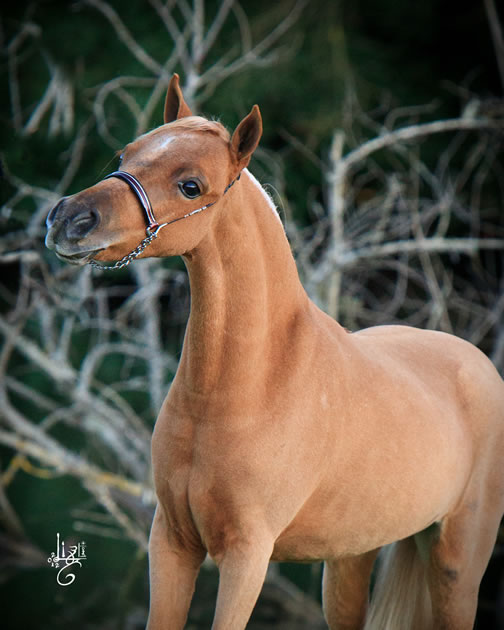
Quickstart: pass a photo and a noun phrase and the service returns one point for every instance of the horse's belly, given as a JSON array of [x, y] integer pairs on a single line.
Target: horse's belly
[[322, 534], [380, 491], [337, 529]]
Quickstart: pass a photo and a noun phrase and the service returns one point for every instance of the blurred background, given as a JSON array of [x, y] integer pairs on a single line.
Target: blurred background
[[382, 148]]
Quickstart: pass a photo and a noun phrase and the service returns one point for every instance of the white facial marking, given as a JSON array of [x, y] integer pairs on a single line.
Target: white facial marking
[[163, 143]]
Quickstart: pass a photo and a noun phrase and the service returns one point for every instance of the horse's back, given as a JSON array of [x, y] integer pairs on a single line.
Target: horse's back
[[446, 365]]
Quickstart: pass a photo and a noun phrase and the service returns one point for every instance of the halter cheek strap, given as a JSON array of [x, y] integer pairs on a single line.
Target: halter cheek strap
[[153, 227]]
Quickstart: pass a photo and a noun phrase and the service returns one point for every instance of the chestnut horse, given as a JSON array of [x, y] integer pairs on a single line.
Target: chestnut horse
[[283, 437]]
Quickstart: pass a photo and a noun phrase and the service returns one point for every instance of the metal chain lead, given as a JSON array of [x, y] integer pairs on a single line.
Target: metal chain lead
[[125, 260]]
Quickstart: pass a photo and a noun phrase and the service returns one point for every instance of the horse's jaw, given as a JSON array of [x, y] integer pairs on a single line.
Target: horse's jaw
[[80, 258]]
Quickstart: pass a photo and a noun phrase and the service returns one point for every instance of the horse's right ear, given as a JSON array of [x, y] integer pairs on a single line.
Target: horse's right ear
[[246, 137], [175, 106]]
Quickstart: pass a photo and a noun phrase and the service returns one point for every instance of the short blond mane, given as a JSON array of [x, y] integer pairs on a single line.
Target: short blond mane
[[198, 123]]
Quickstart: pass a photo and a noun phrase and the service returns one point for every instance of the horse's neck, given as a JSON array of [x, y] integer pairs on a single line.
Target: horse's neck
[[244, 290]]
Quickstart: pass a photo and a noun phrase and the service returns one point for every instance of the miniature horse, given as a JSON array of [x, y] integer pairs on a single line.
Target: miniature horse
[[283, 437]]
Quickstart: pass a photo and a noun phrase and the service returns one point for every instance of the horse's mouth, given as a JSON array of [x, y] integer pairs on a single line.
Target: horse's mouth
[[80, 258]]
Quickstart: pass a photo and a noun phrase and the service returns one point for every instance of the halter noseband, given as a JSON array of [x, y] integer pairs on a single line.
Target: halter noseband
[[153, 227]]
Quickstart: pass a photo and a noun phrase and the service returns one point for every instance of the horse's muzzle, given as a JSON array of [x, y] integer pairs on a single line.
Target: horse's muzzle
[[68, 225]]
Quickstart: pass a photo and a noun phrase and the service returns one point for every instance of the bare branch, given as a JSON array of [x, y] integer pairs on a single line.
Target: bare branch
[[125, 36], [65, 462], [28, 29], [497, 37], [204, 46], [413, 132]]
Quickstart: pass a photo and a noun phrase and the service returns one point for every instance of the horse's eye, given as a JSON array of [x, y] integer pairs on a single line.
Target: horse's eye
[[190, 189]]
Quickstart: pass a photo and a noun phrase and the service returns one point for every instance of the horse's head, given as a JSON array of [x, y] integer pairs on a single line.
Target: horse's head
[[185, 165]]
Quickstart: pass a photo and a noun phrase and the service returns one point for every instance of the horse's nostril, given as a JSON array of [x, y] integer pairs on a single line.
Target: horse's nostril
[[82, 224], [52, 214]]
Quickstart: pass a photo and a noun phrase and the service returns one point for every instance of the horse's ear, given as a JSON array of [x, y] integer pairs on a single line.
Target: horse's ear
[[246, 137], [175, 106]]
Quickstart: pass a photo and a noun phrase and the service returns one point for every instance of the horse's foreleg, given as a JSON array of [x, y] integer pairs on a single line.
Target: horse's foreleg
[[242, 569], [346, 591], [172, 574]]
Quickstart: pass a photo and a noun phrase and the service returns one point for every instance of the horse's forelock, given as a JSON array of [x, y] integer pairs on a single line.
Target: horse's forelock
[[197, 123]]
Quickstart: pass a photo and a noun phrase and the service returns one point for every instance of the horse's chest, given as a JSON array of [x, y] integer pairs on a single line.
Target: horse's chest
[[172, 457]]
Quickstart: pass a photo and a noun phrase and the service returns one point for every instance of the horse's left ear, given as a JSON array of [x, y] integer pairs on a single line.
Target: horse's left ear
[[246, 137], [175, 106]]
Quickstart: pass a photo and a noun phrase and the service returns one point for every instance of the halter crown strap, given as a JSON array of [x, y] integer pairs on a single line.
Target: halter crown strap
[[140, 193]]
